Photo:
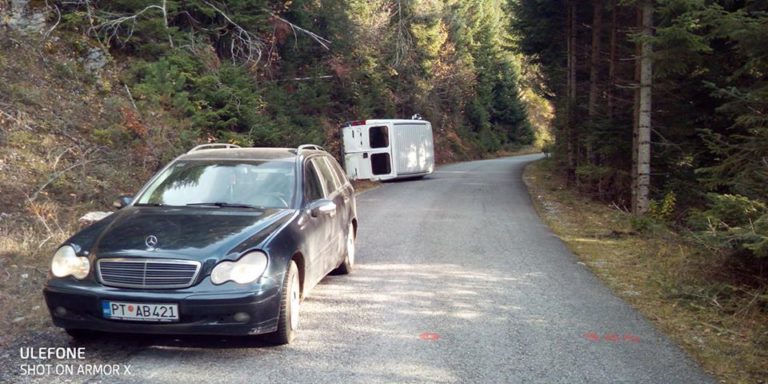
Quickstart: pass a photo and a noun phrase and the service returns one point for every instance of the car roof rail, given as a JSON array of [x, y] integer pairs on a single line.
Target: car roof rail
[[213, 146], [311, 146]]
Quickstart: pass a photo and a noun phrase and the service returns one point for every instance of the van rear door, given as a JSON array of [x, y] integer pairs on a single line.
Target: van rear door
[[380, 152], [353, 152], [368, 151]]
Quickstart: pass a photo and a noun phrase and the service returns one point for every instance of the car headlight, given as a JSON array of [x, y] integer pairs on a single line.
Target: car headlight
[[243, 271], [66, 262]]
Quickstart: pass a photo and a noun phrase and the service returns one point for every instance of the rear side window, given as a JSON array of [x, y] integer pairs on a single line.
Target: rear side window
[[381, 164], [313, 189], [379, 137], [329, 179], [341, 176]]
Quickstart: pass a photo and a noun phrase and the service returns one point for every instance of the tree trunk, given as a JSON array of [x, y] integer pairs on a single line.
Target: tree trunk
[[594, 60], [612, 60], [644, 112], [636, 111], [571, 144], [594, 74]]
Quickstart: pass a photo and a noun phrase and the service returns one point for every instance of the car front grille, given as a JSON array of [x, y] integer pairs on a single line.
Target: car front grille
[[147, 273]]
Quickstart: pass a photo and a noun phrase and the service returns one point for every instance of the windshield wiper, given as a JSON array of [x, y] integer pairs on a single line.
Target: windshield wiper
[[227, 205], [149, 205]]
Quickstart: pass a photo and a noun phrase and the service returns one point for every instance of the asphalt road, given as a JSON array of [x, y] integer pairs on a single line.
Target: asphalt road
[[458, 281]]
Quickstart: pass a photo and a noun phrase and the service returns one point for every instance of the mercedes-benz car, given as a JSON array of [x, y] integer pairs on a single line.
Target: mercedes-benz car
[[223, 240]]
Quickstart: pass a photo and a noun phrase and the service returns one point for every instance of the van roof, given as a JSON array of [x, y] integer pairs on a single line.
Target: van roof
[[384, 121], [375, 121]]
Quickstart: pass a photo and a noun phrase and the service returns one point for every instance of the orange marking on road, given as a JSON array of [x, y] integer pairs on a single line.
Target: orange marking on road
[[592, 336], [429, 336]]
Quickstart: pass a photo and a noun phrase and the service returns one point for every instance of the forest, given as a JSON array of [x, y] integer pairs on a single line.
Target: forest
[[662, 108], [272, 73]]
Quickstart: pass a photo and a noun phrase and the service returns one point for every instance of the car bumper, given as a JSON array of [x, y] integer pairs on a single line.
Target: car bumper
[[75, 306]]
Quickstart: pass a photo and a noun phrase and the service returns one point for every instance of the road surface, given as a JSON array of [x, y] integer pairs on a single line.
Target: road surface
[[458, 281]]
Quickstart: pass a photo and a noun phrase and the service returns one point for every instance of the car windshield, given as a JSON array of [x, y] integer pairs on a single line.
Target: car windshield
[[219, 184]]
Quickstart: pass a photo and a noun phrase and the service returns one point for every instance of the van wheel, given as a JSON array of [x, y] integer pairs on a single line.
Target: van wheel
[[288, 319], [349, 258]]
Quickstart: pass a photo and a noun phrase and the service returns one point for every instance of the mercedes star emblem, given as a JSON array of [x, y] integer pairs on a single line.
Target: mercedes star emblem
[[151, 241]]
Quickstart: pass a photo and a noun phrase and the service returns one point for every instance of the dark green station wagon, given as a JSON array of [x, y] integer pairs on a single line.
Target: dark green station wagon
[[224, 240]]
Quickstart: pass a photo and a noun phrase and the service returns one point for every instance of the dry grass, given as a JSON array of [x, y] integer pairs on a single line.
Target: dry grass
[[25, 254], [523, 150], [39, 209], [696, 298], [54, 166], [364, 185]]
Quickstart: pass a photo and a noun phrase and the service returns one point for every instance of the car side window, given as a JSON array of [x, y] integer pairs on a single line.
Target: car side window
[[313, 189], [337, 181], [329, 179], [340, 175]]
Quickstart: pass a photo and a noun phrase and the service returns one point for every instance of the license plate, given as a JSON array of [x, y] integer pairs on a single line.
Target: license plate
[[119, 310]]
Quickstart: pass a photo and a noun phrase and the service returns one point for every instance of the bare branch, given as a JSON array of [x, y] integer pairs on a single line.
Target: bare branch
[[58, 174], [319, 39], [244, 45], [130, 96], [58, 158], [165, 20], [58, 20], [301, 78], [113, 26], [16, 119]]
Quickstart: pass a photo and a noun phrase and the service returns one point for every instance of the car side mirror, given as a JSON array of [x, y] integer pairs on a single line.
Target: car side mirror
[[122, 201], [322, 207]]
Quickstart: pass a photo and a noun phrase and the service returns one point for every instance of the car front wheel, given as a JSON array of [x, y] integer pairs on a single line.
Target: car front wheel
[[288, 319]]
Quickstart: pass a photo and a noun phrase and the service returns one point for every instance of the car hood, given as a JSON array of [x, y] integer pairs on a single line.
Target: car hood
[[189, 233]]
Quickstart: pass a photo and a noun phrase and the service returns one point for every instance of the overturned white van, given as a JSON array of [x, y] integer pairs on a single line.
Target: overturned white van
[[388, 149]]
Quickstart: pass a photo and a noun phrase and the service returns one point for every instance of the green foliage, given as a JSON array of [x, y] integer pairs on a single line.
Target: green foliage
[[740, 162], [591, 175], [74, 21], [729, 211], [237, 71], [647, 225], [110, 136], [664, 209], [507, 110], [167, 81], [219, 102], [735, 139], [733, 222], [710, 107]]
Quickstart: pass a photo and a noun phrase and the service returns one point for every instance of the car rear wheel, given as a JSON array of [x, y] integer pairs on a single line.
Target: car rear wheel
[[349, 259], [288, 319]]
